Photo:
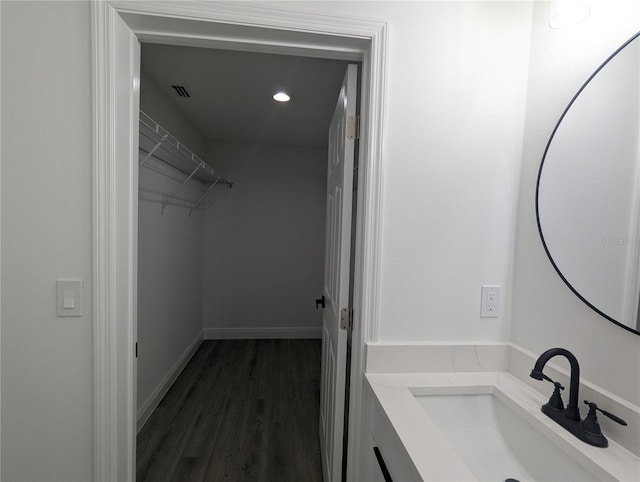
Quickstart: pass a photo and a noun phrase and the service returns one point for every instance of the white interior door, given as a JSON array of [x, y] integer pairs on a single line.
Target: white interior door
[[336, 278]]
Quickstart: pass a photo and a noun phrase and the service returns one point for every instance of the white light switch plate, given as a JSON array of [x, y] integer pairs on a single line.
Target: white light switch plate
[[69, 297]]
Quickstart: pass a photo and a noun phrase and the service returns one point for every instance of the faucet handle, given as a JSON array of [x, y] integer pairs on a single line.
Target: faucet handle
[[556, 399], [538, 375], [593, 407], [555, 384]]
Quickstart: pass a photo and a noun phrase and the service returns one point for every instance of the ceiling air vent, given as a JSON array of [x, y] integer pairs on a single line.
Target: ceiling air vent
[[181, 90]]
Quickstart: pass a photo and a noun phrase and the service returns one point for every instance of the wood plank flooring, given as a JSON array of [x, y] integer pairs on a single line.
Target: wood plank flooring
[[242, 410]]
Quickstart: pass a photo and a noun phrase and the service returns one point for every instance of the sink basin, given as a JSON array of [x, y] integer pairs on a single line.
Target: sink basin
[[499, 440]]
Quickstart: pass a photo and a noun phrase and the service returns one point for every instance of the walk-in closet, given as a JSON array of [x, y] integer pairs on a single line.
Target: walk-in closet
[[231, 258]]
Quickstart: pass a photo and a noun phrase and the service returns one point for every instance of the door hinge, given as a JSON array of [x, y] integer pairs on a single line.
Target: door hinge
[[346, 318], [353, 127]]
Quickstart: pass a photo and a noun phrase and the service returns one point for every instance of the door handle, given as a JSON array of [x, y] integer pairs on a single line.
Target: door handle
[[320, 301]]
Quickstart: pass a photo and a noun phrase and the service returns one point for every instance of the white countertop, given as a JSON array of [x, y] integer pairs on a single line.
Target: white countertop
[[433, 456]]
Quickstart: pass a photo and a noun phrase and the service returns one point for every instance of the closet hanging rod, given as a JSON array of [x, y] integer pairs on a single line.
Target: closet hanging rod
[[181, 157], [157, 197]]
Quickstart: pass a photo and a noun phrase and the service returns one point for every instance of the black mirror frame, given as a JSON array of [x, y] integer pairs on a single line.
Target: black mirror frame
[[544, 156]]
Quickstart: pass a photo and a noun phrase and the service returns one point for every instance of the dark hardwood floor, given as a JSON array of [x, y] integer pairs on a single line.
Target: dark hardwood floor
[[240, 410]]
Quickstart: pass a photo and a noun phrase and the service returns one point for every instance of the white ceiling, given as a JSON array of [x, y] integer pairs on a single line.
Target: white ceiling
[[232, 92]]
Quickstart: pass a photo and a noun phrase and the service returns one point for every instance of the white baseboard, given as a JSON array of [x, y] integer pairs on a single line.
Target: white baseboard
[[152, 402], [261, 333]]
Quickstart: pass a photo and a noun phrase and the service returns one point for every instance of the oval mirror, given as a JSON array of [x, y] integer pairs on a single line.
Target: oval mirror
[[588, 190]]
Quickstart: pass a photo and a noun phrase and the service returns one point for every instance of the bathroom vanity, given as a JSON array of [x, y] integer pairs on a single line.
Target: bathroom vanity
[[480, 419]]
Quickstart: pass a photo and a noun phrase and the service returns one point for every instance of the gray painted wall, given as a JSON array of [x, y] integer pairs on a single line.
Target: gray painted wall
[[170, 262], [47, 362], [264, 239], [170, 254]]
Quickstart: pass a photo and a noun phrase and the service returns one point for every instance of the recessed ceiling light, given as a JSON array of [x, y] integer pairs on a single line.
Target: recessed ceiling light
[[282, 97]]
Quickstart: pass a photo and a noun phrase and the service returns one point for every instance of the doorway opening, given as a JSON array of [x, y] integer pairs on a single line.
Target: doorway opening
[[240, 263], [117, 29]]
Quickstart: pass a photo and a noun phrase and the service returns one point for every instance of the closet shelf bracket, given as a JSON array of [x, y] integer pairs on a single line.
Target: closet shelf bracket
[[155, 148], [175, 193], [204, 194]]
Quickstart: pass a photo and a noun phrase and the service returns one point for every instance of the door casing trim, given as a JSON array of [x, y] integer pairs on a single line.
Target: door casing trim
[[116, 24]]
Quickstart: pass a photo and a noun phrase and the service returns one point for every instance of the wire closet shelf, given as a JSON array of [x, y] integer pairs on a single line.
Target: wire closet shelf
[[156, 142]]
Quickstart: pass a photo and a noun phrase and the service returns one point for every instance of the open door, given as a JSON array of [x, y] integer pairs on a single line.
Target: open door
[[336, 277]]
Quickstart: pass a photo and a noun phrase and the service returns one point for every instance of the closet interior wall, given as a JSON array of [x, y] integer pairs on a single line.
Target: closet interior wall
[[170, 261], [248, 263], [264, 242]]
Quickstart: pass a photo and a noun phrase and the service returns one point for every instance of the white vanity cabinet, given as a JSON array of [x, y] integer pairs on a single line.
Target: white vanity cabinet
[[372, 469], [381, 435]]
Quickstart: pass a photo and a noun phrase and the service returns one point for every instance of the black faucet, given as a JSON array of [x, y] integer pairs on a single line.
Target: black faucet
[[569, 418], [572, 411]]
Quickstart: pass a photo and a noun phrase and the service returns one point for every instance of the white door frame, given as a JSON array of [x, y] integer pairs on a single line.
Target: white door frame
[[117, 26]]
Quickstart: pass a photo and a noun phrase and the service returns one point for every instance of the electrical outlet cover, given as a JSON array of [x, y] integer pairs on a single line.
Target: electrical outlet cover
[[489, 301]]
